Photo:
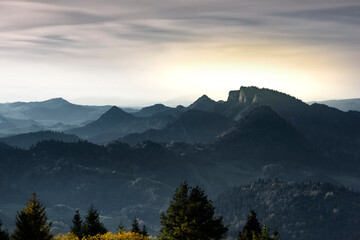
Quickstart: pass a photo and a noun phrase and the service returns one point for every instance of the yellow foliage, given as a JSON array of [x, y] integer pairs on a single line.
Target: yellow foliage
[[106, 236], [68, 236]]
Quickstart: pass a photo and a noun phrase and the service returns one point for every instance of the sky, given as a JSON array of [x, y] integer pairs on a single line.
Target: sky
[[142, 52]]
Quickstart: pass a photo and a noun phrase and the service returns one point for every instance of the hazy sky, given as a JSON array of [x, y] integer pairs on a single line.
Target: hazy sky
[[132, 53]]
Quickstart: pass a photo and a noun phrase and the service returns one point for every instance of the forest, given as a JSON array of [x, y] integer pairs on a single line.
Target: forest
[[191, 215]]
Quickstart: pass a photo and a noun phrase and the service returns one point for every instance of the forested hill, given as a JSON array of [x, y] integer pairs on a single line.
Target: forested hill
[[27, 140], [300, 211]]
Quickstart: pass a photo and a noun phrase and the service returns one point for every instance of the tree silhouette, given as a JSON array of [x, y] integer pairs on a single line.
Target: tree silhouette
[[191, 216], [121, 228], [31, 222], [4, 235], [92, 224], [144, 231], [253, 231], [252, 227], [135, 226], [77, 227]]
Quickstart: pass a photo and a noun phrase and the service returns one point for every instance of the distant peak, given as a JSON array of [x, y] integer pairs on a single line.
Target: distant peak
[[155, 106], [59, 99], [115, 108], [115, 113], [204, 97], [55, 102], [158, 105], [203, 103]]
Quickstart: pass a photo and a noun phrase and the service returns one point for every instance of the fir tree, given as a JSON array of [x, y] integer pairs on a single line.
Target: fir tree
[[191, 216], [31, 222], [77, 227], [252, 227], [144, 231], [92, 224], [4, 235], [121, 228], [135, 226], [253, 231]]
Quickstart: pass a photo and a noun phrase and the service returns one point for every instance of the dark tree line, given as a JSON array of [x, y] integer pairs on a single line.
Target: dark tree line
[[91, 226], [253, 231], [191, 215]]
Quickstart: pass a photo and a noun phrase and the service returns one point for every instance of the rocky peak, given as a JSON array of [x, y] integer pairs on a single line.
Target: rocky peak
[[246, 95], [233, 96]]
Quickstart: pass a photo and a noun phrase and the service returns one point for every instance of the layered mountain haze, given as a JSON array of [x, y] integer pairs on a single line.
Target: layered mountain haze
[[53, 114], [10, 126], [192, 126], [256, 133], [342, 104], [27, 140], [155, 112], [116, 123], [265, 136], [158, 109]]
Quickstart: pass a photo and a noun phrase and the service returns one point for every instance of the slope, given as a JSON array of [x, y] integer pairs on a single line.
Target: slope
[[342, 104], [52, 111], [191, 126], [299, 211], [336, 134], [116, 123], [27, 140]]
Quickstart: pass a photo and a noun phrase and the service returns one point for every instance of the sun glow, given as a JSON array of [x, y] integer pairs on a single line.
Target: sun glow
[[217, 78]]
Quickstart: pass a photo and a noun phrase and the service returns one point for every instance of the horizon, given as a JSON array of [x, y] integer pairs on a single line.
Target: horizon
[[138, 53], [166, 103]]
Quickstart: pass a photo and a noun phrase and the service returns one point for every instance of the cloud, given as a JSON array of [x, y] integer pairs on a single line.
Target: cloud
[[111, 39], [112, 23], [19, 15], [346, 15]]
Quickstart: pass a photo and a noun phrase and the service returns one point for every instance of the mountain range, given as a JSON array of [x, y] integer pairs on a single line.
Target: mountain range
[[54, 114], [27, 140], [191, 126], [116, 123], [342, 104], [256, 133]]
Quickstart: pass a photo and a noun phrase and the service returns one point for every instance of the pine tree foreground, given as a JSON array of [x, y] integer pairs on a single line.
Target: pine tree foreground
[[77, 227], [191, 216], [31, 222], [253, 231], [136, 229], [92, 225]]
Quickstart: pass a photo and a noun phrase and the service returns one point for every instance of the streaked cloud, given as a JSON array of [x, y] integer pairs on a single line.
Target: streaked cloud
[[129, 40]]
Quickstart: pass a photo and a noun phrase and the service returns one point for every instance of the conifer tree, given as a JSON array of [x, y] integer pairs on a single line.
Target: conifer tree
[[31, 222], [191, 216], [77, 227], [4, 235], [121, 228], [92, 224], [144, 231], [135, 226], [253, 231], [252, 227]]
